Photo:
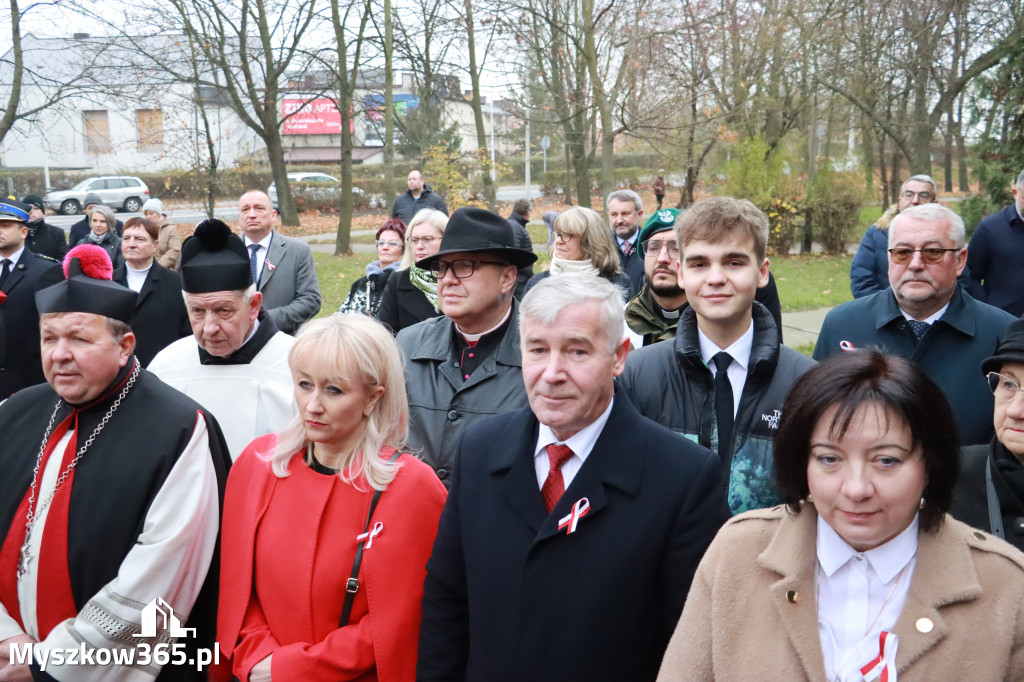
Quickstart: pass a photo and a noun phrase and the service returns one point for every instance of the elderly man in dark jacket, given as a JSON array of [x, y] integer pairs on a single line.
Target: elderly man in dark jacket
[[465, 365]]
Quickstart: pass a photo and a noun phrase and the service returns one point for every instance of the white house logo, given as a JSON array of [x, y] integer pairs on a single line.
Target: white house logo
[[772, 419], [160, 610]]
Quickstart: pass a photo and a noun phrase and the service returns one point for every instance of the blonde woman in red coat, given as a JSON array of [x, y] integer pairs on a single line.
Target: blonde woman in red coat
[[298, 508]]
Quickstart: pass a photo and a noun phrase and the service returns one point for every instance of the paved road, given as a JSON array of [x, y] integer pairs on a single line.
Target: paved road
[[180, 216]]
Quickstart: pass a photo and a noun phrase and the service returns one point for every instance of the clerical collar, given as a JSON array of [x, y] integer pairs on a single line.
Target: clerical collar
[[669, 314], [259, 337], [472, 339]]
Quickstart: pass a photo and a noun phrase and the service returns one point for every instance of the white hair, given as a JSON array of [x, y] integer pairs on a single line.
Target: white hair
[[934, 213], [546, 301]]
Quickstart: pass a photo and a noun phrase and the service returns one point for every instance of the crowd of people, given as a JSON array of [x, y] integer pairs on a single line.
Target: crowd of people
[[613, 469]]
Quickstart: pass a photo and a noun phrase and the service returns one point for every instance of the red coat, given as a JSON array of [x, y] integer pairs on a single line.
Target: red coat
[[298, 624]]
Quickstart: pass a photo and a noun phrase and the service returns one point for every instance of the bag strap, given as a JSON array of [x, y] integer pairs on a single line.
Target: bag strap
[[352, 586], [995, 515]]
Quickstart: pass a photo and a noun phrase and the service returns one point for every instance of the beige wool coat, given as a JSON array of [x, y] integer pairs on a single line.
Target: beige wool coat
[[751, 612]]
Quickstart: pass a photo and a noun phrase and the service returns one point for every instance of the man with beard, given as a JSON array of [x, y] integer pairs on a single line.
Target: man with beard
[[625, 211], [654, 313], [926, 317]]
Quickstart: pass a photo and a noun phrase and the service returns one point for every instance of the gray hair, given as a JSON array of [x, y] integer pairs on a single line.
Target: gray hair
[[927, 179], [246, 294], [108, 215], [546, 301], [1020, 179], [625, 195], [934, 213]]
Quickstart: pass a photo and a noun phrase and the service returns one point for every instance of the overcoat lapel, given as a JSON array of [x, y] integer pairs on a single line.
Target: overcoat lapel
[[792, 555], [17, 272], [513, 462], [944, 574], [275, 255]]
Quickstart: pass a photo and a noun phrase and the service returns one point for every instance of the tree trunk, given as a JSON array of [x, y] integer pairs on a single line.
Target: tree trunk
[[17, 74], [569, 177], [389, 109], [478, 114]]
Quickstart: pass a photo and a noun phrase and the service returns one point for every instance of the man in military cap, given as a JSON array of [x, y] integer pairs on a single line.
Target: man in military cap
[[110, 494], [236, 361], [22, 274]]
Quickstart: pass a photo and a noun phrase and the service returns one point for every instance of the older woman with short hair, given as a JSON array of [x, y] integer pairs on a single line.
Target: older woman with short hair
[[102, 233], [584, 244], [861, 575], [410, 296], [365, 294], [328, 525]]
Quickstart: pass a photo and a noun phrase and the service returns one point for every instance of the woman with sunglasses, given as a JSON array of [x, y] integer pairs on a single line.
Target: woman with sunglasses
[[583, 243], [990, 492], [411, 295], [365, 294]]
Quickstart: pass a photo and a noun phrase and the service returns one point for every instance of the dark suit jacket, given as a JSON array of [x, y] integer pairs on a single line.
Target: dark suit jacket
[[510, 597], [633, 266], [291, 290], [160, 317], [402, 304], [20, 364]]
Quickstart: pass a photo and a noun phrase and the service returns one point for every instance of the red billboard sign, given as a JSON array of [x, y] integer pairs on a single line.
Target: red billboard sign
[[317, 117]]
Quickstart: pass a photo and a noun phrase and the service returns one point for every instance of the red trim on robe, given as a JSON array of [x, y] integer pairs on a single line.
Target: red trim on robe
[[53, 573]]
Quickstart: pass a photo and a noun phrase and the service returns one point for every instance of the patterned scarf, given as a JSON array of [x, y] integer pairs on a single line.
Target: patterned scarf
[[425, 281]]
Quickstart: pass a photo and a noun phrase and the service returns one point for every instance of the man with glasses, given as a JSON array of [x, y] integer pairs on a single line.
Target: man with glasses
[[996, 256], [869, 270], [925, 316], [465, 365], [654, 313]]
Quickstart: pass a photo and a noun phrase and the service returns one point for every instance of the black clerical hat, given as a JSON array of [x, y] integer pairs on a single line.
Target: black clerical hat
[[1009, 348], [214, 259], [476, 230], [88, 288]]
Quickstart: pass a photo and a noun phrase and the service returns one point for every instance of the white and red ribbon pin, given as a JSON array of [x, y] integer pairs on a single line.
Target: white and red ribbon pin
[[270, 266], [883, 667], [370, 535], [846, 347], [579, 510]]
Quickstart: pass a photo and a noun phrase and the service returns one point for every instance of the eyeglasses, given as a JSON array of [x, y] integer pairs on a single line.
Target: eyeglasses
[[932, 255], [923, 196], [564, 237], [653, 247], [460, 268], [426, 241], [1002, 386], [381, 242]]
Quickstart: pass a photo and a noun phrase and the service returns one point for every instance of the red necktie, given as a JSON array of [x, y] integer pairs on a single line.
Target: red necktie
[[554, 485]]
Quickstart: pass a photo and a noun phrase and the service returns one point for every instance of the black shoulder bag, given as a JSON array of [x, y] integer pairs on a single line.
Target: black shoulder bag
[[352, 586]]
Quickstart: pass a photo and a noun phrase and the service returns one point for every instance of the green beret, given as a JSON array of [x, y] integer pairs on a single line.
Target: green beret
[[660, 221]]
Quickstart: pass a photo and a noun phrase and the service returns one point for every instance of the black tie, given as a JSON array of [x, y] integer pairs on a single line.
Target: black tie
[[919, 328], [723, 403], [6, 272]]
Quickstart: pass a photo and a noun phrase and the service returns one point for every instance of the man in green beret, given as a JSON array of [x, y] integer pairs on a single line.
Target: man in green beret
[[654, 312]]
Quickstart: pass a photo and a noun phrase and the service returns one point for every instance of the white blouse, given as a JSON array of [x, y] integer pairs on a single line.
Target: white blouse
[[859, 595]]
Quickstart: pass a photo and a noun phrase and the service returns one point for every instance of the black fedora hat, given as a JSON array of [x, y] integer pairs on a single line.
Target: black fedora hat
[[476, 230], [1009, 348]]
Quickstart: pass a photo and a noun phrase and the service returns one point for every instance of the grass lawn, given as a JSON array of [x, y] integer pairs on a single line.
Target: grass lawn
[[809, 282]]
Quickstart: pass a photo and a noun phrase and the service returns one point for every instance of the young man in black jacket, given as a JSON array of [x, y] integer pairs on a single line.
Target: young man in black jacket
[[723, 379]]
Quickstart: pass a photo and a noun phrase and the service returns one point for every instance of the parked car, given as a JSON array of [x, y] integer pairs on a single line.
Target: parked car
[[119, 192], [312, 187]]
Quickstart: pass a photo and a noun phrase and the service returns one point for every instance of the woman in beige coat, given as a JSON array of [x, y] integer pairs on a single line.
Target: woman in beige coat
[[861, 575]]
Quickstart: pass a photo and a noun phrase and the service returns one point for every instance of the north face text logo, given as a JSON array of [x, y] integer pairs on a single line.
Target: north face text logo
[[772, 419]]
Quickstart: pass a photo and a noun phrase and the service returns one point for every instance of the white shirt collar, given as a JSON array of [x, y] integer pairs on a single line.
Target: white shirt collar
[[739, 350], [627, 241], [14, 257], [265, 242], [581, 443], [887, 559], [931, 318]]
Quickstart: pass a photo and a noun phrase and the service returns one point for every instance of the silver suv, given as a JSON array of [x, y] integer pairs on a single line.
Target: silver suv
[[117, 191]]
